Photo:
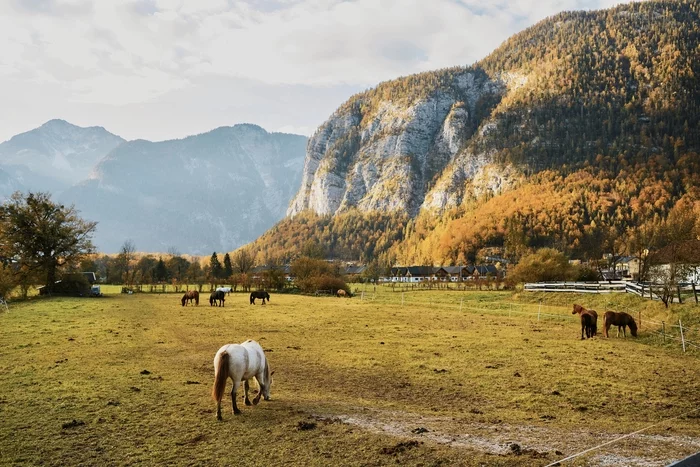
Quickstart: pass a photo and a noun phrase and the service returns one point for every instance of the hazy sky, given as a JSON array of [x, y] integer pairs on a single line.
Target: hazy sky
[[161, 69]]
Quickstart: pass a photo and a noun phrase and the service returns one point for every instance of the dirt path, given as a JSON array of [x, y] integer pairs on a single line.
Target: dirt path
[[500, 439]]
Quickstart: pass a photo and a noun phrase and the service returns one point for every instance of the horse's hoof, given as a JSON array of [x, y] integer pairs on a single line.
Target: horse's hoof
[[247, 402], [237, 412]]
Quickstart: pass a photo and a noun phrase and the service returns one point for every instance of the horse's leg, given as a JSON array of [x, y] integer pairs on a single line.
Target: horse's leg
[[218, 410], [246, 386], [234, 390], [583, 329], [260, 391], [624, 330]]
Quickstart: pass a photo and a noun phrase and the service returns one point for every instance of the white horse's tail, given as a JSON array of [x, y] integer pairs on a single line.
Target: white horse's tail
[[220, 377]]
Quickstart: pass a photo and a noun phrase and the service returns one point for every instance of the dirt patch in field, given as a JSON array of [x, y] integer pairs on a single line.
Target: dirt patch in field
[[524, 440]]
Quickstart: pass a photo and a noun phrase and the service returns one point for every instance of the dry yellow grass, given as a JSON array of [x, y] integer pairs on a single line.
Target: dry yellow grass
[[353, 380]]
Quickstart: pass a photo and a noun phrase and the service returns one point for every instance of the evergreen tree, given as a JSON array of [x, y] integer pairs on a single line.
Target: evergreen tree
[[161, 273], [215, 266], [228, 267]]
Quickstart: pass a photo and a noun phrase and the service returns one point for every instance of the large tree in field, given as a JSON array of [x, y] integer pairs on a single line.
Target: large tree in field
[[42, 235]]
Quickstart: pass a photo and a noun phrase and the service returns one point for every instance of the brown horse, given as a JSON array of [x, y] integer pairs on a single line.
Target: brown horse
[[341, 293], [589, 321], [189, 296], [621, 320]]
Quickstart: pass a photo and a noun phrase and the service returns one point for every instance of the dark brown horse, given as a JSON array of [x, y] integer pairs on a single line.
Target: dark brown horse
[[589, 321], [621, 320], [259, 294], [189, 296], [217, 297]]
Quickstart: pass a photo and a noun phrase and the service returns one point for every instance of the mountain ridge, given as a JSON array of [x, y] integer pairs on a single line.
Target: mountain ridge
[[608, 92], [201, 193]]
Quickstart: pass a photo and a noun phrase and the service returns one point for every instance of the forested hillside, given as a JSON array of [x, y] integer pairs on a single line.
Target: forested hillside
[[581, 128]]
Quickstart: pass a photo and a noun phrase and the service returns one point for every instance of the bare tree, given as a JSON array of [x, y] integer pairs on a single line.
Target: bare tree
[[127, 255], [243, 261]]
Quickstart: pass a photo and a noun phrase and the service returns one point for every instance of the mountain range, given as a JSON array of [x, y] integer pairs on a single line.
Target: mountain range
[[574, 134], [210, 192]]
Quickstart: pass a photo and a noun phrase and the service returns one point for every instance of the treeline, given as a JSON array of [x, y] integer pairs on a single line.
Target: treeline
[[617, 82], [132, 269], [578, 213], [351, 235]]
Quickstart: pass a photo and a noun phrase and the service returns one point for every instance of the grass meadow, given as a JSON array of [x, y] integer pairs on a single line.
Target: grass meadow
[[414, 378]]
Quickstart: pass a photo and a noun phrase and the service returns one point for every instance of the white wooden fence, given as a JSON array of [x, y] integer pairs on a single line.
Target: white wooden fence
[[645, 290]]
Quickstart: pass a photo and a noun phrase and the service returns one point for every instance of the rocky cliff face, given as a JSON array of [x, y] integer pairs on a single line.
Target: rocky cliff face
[[380, 154]]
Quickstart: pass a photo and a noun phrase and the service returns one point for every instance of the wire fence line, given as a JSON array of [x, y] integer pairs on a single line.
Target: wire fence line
[[687, 337]]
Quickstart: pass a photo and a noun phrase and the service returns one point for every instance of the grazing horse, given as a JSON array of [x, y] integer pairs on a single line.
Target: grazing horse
[[341, 293], [226, 290], [240, 362], [259, 294], [217, 296], [589, 321], [189, 296], [621, 320]]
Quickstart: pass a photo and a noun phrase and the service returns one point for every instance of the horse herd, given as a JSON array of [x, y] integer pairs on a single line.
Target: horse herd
[[218, 297], [242, 362], [589, 322]]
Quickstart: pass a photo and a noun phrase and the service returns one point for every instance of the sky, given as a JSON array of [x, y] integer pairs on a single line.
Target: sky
[[164, 69]]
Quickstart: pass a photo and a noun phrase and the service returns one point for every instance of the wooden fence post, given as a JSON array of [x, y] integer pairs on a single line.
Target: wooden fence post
[[680, 325], [695, 293], [663, 330]]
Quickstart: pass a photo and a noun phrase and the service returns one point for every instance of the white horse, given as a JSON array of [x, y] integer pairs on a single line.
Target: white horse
[[226, 290], [240, 362]]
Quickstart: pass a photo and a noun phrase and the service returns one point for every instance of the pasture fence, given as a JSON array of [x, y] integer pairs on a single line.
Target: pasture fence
[[641, 289], [685, 337]]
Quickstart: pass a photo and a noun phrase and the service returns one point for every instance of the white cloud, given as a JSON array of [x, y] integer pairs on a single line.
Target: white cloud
[[114, 52]]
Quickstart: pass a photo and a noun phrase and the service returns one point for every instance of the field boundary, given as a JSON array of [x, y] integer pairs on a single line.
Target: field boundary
[[641, 289]]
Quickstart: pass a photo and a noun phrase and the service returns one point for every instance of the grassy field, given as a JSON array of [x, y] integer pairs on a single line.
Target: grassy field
[[415, 378]]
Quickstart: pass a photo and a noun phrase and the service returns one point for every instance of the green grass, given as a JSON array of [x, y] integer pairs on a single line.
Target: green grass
[[466, 366]]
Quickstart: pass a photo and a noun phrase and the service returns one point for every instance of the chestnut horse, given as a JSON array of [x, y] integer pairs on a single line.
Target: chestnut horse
[[341, 293], [240, 362], [589, 320], [189, 296], [621, 320]]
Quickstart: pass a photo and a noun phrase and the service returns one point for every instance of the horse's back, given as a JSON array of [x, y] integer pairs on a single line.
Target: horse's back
[[245, 360]]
